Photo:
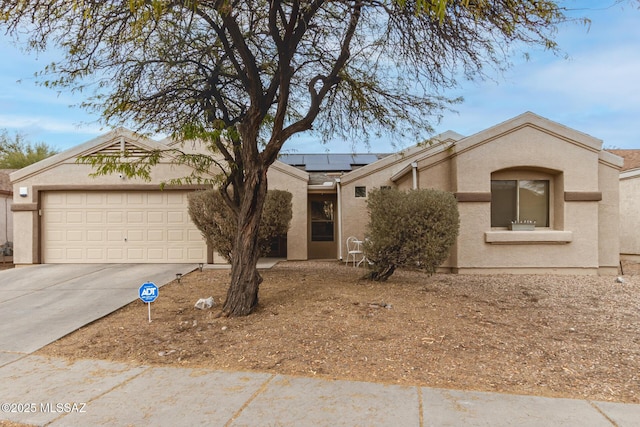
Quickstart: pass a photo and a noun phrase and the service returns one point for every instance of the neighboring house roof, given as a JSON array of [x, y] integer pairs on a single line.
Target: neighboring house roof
[[631, 158], [5, 182]]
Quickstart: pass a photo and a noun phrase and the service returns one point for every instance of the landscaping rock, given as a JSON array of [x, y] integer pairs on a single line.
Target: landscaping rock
[[204, 303]]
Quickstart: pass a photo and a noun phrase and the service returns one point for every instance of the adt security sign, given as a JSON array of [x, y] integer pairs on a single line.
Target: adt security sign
[[148, 293]]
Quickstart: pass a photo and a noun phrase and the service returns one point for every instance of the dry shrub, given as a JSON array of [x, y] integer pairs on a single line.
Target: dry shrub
[[217, 222], [414, 229]]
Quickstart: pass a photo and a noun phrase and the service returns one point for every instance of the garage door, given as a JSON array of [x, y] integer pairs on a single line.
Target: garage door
[[119, 227]]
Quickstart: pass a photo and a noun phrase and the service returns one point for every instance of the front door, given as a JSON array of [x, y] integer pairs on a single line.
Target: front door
[[322, 226]]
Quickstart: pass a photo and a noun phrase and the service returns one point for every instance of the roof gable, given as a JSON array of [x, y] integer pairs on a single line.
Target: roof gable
[[399, 162], [118, 140], [289, 170], [532, 120]]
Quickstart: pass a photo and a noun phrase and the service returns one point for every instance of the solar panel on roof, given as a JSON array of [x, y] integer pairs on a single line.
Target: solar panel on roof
[[317, 160], [329, 162], [336, 167], [364, 159], [292, 159]]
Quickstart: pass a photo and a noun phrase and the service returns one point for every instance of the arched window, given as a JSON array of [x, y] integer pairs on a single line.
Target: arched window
[[522, 195], [521, 200]]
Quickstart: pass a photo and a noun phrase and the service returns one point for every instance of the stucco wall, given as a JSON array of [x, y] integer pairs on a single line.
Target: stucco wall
[[61, 172], [525, 148], [285, 177], [436, 172], [392, 171], [609, 217], [355, 215], [25, 237], [433, 170], [68, 175], [629, 215], [6, 220]]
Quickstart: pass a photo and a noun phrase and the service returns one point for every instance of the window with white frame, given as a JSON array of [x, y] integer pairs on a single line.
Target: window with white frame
[[519, 200]]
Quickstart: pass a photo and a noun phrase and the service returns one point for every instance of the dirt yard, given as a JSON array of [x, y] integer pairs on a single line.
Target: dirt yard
[[568, 336]]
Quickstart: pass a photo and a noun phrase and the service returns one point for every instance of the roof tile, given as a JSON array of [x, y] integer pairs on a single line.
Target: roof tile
[[631, 158]]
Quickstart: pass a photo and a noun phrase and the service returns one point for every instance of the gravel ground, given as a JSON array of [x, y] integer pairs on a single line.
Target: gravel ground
[[562, 336]]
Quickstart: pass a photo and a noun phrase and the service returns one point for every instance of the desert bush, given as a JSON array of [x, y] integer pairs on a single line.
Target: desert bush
[[216, 220], [413, 229]]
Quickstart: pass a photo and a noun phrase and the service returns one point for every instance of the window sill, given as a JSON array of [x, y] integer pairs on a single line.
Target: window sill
[[505, 237]]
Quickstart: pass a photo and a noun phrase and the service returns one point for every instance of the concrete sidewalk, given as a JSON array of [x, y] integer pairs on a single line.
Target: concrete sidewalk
[[49, 391]]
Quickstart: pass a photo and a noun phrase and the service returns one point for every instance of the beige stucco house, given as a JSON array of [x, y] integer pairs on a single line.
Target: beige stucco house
[[64, 215], [527, 168], [629, 205]]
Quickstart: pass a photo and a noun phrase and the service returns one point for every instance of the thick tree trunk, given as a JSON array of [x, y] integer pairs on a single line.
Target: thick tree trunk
[[242, 295]]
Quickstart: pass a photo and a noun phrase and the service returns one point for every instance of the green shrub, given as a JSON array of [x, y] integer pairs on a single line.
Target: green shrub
[[216, 220], [409, 229]]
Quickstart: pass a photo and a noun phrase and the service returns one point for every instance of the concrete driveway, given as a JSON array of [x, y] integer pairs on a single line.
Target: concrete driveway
[[42, 303]]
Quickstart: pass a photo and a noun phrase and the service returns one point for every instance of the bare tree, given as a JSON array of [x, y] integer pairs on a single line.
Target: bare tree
[[246, 75]]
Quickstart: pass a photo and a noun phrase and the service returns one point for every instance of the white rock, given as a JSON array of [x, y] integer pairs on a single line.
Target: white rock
[[619, 279], [204, 303]]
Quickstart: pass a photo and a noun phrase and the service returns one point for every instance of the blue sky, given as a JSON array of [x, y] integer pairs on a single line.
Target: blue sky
[[596, 90]]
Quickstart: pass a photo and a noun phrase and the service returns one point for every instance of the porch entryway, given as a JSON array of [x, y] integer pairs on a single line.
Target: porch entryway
[[322, 235]]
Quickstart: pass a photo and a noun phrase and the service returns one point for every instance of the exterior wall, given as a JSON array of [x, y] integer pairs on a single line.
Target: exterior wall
[[25, 237], [355, 215], [6, 219], [629, 217], [285, 177], [609, 217], [6, 216], [394, 171], [436, 172], [572, 240], [61, 172], [588, 203], [68, 175]]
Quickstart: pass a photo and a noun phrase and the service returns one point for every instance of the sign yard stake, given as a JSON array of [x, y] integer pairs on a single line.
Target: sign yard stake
[[148, 293]]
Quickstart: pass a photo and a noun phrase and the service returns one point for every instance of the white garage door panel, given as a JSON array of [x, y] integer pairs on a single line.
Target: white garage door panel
[[125, 226]]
